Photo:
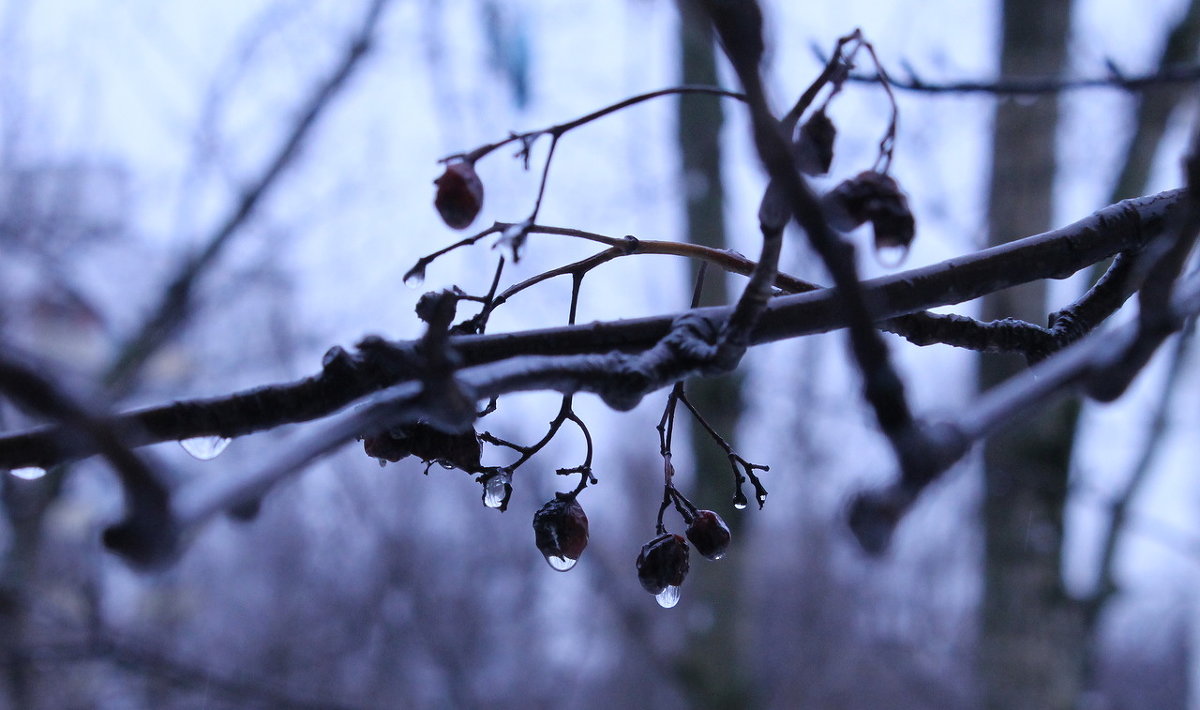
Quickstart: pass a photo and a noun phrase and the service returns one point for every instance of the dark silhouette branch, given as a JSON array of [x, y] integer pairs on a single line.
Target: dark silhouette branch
[[146, 495], [1156, 105], [178, 297], [1035, 86], [1101, 363], [882, 387], [377, 364]]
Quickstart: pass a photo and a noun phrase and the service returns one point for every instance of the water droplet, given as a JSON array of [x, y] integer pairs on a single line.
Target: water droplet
[[891, 257], [668, 597], [382, 463], [29, 473], [205, 448], [739, 501], [762, 500], [562, 564], [415, 276], [445, 464], [495, 490]]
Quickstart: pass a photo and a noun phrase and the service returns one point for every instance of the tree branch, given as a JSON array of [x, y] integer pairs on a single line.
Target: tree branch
[[378, 364], [1035, 86], [1099, 364], [177, 298]]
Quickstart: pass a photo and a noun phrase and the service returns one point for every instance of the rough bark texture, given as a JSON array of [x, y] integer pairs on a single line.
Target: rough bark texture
[[1030, 645], [712, 668]]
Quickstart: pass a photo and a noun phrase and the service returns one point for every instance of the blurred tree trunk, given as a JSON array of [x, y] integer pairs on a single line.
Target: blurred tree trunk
[[712, 669], [1154, 107], [25, 504], [1030, 645]]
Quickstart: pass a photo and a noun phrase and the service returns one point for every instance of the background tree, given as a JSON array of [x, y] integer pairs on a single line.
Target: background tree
[[1030, 643], [712, 670]]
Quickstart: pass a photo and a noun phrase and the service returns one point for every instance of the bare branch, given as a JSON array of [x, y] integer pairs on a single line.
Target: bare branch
[[177, 298], [377, 364], [1034, 86], [146, 496], [1099, 358]]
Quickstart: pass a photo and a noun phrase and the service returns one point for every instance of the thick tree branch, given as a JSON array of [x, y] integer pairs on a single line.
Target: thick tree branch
[[378, 364], [1099, 364]]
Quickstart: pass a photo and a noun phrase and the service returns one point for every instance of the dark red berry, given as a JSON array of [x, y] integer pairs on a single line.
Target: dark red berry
[[560, 529], [709, 534], [663, 563], [459, 195]]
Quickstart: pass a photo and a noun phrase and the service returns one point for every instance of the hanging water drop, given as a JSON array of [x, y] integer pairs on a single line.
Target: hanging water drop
[[562, 564], [205, 448], [28, 473], [415, 276], [891, 256], [739, 500], [495, 490], [761, 498], [668, 597]]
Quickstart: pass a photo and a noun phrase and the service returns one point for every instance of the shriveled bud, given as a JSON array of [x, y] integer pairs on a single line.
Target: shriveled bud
[[459, 195], [872, 197], [560, 529], [452, 450], [709, 533], [662, 563], [385, 447], [814, 146]]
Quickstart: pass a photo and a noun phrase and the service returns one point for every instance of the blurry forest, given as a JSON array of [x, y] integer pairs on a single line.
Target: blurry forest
[[201, 198]]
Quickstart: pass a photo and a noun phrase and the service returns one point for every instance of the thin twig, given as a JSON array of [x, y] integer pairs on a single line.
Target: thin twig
[[1035, 86], [559, 129]]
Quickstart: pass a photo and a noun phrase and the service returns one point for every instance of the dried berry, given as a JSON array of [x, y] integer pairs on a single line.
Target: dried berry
[[876, 198], [709, 534], [459, 195], [385, 447], [437, 305], [560, 529], [459, 450], [662, 563], [814, 146]]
